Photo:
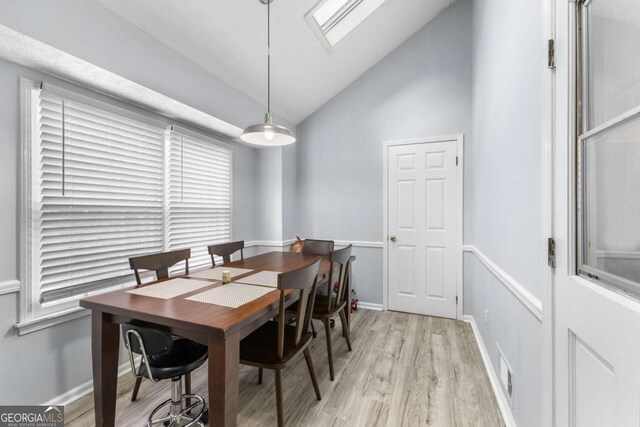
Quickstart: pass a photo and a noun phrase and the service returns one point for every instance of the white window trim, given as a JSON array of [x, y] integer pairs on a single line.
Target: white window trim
[[33, 316]]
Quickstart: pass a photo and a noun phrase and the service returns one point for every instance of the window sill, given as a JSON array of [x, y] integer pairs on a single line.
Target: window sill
[[44, 322]]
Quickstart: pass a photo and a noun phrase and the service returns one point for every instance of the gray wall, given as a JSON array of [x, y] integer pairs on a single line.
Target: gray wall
[[88, 30], [503, 203], [504, 192], [57, 359], [423, 88]]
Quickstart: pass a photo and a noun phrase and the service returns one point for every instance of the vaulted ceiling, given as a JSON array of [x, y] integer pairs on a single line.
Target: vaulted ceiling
[[228, 39]]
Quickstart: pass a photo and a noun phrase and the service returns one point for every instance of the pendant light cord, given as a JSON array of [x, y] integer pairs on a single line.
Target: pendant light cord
[[269, 57]]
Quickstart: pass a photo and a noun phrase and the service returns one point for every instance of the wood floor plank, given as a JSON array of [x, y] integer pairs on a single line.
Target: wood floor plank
[[404, 370]]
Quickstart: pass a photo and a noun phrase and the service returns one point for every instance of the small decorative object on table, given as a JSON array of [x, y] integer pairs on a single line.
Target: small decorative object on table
[[226, 276]]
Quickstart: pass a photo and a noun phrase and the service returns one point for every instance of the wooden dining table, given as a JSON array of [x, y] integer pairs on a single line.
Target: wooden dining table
[[218, 327]]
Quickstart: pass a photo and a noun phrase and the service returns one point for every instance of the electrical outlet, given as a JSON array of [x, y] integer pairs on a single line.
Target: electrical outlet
[[486, 317]]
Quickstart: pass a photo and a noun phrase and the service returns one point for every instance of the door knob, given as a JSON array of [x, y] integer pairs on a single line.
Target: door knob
[[392, 238]]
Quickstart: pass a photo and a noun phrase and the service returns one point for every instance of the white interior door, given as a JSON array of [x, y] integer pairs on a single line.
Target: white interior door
[[422, 228], [597, 324]]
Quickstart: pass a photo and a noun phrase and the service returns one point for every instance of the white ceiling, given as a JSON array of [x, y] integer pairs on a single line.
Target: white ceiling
[[228, 39]]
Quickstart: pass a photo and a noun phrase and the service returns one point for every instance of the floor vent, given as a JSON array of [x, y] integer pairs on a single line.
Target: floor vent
[[506, 376]]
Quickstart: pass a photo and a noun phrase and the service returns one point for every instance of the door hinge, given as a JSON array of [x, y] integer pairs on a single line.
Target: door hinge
[[456, 299], [551, 54], [551, 252], [456, 160]]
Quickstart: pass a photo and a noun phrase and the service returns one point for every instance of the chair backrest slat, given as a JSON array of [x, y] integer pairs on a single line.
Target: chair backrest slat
[[154, 341], [302, 281], [160, 263], [225, 250], [317, 247], [341, 259]]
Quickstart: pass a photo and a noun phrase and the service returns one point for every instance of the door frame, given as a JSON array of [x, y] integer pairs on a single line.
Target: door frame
[[554, 116], [459, 138]]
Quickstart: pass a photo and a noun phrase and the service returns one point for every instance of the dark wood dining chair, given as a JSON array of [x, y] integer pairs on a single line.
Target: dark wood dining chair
[[225, 250], [317, 247], [160, 263], [334, 304], [276, 343]]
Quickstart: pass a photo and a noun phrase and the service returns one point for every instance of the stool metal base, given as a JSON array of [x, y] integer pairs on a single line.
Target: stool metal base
[[177, 413]]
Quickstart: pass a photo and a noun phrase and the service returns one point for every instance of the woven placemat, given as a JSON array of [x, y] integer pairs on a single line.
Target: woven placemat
[[170, 288], [231, 295], [216, 273], [263, 278]]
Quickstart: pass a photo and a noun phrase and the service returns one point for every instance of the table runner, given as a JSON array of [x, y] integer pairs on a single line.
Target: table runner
[[216, 273]]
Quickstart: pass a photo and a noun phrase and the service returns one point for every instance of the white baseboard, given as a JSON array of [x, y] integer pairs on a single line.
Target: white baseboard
[[83, 389], [503, 402], [370, 306]]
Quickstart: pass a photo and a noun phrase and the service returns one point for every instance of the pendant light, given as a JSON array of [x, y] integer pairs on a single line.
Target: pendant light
[[268, 134]]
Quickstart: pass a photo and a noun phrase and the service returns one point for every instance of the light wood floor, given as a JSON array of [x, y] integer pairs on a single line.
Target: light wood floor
[[404, 370]]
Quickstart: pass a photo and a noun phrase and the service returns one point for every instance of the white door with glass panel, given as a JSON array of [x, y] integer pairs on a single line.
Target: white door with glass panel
[[422, 228], [597, 220]]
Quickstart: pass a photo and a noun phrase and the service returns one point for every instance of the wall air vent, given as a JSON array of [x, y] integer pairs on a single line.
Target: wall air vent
[[333, 20]]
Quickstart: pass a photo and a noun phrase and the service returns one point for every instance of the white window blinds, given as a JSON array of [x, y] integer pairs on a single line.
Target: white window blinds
[[199, 195], [99, 196]]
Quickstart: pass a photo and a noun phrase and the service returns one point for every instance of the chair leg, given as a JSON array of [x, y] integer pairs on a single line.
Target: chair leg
[[279, 397], [187, 387], [136, 388], [260, 375], [327, 332], [312, 372], [345, 329], [346, 307]]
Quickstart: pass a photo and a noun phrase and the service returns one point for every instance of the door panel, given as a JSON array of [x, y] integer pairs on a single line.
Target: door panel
[[435, 204], [405, 260], [406, 204], [590, 371], [435, 272], [598, 342], [596, 326], [422, 216]]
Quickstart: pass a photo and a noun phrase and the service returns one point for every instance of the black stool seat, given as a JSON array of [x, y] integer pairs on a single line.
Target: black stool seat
[[183, 357], [261, 347]]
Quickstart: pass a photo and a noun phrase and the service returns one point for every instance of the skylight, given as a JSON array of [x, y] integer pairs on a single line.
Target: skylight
[[333, 20]]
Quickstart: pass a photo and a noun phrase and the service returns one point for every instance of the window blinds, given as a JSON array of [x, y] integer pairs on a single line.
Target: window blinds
[[199, 195], [100, 195]]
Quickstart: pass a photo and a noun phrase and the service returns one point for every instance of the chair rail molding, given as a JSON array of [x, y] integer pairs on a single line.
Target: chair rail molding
[[360, 244], [269, 243], [530, 301], [9, 286], [280, 244]]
